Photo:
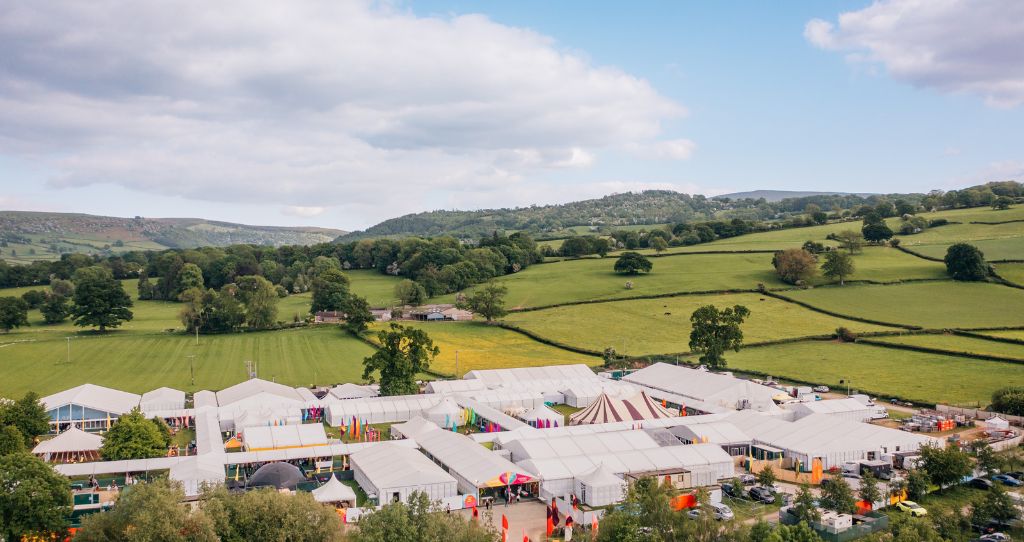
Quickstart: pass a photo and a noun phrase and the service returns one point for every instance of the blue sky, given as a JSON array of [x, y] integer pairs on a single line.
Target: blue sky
[[343, 117]]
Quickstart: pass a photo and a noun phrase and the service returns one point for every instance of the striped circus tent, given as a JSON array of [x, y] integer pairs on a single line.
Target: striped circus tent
[[609, 409]]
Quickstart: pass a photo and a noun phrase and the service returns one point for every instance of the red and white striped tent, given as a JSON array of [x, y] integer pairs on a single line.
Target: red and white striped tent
[[609, 409]]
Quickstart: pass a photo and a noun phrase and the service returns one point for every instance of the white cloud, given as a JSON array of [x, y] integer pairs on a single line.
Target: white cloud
[[306, 212], [320, 104], [955, 46]]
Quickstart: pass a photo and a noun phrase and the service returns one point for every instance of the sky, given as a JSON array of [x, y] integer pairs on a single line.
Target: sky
[[342, 114]]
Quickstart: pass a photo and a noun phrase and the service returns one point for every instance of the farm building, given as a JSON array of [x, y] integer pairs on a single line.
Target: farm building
[[847, 409], [381, 315], [284, 437], [390, 473], [73, 445], [432, 313], [607, 409], [328, 317], [88, 407], [336, 493], [352, 391], [712, 388]]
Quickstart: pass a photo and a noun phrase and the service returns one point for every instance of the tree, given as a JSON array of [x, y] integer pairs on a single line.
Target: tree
[[659, 244], [804, 507], [766, 478], [487, 301], [837, 265], [132, 436], [715, 331], [645, 514], [633, 263], [419, 520], [55, 308], [945, 466], [35, 499], [837, 496], [795, 265], [986, 457], [190, 276], [849, 240], [146, 290], [13, 313], [996, 504], [260, 300], [27, 415], [877, 232], [917, 485], [801, 532], [1009, 400], [100, 300], [410, 292], [404, 353], [265, 514], [149, 511], [330, 291], [11, 441], [965, 262], [869, 491], [357, 314], [1002, 203], [34, 298]]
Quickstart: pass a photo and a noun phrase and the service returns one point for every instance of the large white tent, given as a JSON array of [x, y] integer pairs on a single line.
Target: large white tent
[[412, 427], [284, 436], [352, 391], [728, 436], [542, 416], [472, 465], [71, 443], [503, 399], [391, 473], [446, 413], [715, 389], [267, 392], [599, 487], [572, 445], [389, 409], [454, 386], [88, 406], [267, 416], [583, 393], [848, 409], [335, 492], [198, 471], [162, 399]]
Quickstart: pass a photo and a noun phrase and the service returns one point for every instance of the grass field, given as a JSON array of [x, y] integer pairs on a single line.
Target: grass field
[[488, 347], [883, 371], [1009, 334], [955, 343], [377, 288], [1013, 272], [998, 241], [928, 304], [662, 326], [141, 362]]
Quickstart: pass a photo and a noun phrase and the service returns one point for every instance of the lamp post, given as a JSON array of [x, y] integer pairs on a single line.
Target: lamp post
[[191, 368], [69, 349]]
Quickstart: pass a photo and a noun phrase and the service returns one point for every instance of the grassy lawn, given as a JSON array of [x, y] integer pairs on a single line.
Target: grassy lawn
[[662, 326], [565, 410], [929, 304], [882, 371], [140, 362], [956, 343], [377, 288], [1013, 272], [487, 347]]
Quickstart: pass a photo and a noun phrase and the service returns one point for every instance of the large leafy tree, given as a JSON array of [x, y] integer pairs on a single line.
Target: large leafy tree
[[795, 265], [1009, 400], [190, 276], [404, 353], [850, 240], [837, 265], [100, 300], [419, 520], [715, 331], [410, 292], [487, 301], [28, 415], [869, 490], [996, 504], [357, 314], [945, 466], [268, 515], [330, 291], [837, 496], [13, 313], [55, 308], [148, 512], [34, 499], [260, 300], [133, 437], [11, 441], [965, 262], [633, 263], [804, 507], [877, 232]]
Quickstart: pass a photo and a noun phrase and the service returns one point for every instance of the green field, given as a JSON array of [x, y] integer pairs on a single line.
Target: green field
[[956, 343], [1008, 334], [662, 326], [481, 346], [140, 362], [1013, 272], [882, 371], [945, 304], [998, 241], [377, 288]]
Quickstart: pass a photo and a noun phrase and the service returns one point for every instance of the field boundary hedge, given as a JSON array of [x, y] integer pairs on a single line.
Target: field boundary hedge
[[942, 351], [549, 342], [840, 315], [975, 335], [996, 223], [902, 248], [634, 298]]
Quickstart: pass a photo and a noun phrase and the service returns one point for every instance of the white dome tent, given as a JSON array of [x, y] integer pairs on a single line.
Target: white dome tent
[[599, 487], [445, 413]]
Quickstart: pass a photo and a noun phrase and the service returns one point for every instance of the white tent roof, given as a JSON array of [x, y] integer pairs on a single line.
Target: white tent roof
[[455, 386], [390, 465], [997, 422], [162, 399], [284, 436], [504, 420], [72, 440], [709, 457], [717, 389], [94, 397], [713, 432], [208, 437], [118, 467], [413, 427], [446, 406], [542, 412], [204, 398], [821, 434], [466, 458], [334, 491], [572, 445], [199, 469], [600, 477], [833, 406], [494, 378], [256, 386], [352, 391]]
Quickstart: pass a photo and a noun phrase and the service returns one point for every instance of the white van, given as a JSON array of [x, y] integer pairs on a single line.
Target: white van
[[722, 512]]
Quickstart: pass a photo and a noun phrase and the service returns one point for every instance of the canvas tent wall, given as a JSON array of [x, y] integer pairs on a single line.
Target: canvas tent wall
[[599, 487], [264, 417], [391, 473], [197, 472], [335, 492], [573, 445], [352, 391], [716, 389], [542, 416], [412, 428], [284, 436], [483, 414], [162, 399], [446, 413], [846, 409], [734, 441], [503, 399], [395, 408], [455, 386], [498, 378]]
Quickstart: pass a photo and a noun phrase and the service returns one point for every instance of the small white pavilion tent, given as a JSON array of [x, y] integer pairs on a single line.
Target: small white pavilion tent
[[583, 394], [267, 416], [388, 409], [446, 413], [352, 391], [335, 492], [542, 416], [203, 399], [73, 443], [391, 473], [599, 487], [997, 423], [198, 471]]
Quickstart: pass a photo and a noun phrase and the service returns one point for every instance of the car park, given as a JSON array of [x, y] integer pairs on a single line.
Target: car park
[[995, 537], [748, 479], [915, 510], [1007, 480], [1019, 475], [722, 512], [761, 494], [980, 483]]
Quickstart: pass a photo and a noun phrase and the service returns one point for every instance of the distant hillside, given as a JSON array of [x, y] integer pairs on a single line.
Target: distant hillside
[[779, 195], [631, 208], [28, 236]]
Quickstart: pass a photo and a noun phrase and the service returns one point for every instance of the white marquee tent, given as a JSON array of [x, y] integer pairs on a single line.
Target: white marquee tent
[[542, 416], [198, 471], [390, 472], [599, 487], [716, 389], [74, 441], [395, 408], [446, 413], [333, 491], [848, 409], [352, 391], [284, 436]]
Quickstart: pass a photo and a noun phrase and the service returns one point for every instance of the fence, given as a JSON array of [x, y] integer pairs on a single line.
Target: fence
[[980, 414]]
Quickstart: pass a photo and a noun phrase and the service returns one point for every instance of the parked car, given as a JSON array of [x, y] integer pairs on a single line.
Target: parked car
[[912, 507], [821, 389], [1019, 475], [1007, 480], [722, 512], [761, 494], [980, 483], [995, 537], [748, 479], [734, 492]]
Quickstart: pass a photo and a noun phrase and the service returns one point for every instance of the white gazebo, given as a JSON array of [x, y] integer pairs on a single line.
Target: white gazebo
[[335, 492], [599, 487], [445, 413], [71, 444], [996, 423]]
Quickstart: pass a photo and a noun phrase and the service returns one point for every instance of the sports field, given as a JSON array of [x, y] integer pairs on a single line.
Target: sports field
[[662, 326], [882, 371], [481, 346], [956, 343], [938, 305]]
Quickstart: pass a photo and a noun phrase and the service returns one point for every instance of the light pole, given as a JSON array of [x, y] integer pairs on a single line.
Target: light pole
[[191, 368], [69, 349]]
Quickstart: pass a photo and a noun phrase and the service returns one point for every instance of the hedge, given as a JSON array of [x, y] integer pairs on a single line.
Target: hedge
[[996, 223], [973, 335], [549, 342], [838, 315], [927, 350], [633, 298], [902, 248]]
